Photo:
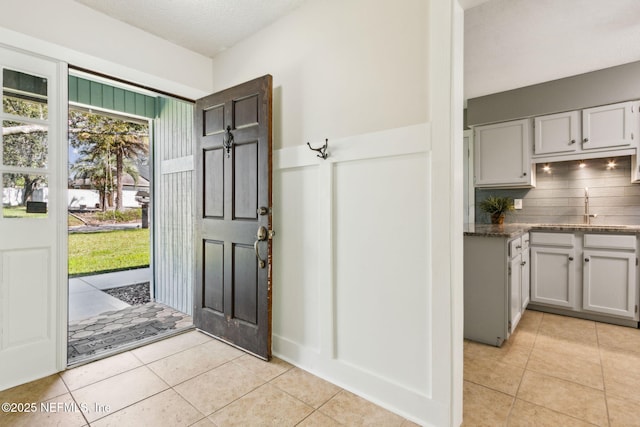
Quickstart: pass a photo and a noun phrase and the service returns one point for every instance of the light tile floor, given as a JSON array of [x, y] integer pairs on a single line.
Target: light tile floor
[[555, 371], [190, 380]]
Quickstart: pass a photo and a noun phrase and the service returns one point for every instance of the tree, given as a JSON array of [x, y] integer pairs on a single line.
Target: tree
[[24, 144], [110, 142], [99, 167]]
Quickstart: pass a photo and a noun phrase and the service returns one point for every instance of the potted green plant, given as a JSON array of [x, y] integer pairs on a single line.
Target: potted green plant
[[497, 207]]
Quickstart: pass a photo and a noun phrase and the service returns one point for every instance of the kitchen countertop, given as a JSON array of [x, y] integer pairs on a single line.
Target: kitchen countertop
[[496, 230], [514, 230]]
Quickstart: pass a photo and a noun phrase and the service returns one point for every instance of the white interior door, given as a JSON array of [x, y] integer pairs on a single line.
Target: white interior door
[[32, 219]]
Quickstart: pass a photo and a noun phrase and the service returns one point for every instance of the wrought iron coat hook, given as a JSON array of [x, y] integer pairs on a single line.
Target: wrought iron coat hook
[[322, 150], [228, 141]]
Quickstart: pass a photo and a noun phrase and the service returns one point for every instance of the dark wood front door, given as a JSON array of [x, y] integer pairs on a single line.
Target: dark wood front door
[[233, 231]]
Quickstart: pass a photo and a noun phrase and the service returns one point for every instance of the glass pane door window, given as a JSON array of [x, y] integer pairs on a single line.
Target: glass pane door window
[[25, 145]]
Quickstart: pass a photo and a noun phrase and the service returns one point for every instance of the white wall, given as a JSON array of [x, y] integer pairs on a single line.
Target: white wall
[[71, 32], [339, 68], [365, 277]]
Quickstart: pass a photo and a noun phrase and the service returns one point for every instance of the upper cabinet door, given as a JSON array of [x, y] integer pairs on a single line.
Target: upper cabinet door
[[557, 133], [609, 126], [503, 155]]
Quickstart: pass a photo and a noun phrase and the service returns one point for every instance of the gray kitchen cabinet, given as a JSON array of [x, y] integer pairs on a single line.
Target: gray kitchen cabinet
[[557, 133], [608, 126], [553, 269], [585, 274], [493, 292], [502, 155], [609, 275]]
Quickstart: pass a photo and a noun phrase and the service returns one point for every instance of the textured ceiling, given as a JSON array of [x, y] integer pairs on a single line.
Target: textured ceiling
[[516, 43], [204, 26]]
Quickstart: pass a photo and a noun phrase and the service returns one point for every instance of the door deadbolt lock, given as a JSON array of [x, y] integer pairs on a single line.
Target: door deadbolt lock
[[263, 210]]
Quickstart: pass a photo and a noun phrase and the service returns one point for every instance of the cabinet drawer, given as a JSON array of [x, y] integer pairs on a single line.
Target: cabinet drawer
[[609, 241], [552, 239]]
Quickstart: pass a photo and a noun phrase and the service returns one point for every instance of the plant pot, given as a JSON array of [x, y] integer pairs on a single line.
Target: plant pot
[[497, 218]]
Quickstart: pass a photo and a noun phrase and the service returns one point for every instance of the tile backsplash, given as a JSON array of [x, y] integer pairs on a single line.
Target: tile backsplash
[[558, 197]]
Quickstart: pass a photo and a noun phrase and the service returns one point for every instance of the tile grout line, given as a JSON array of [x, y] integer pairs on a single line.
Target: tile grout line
[[604, 384], [524, 370]]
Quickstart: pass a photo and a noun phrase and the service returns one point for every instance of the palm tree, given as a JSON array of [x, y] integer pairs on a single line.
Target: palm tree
[[112, 143], [99, 167]]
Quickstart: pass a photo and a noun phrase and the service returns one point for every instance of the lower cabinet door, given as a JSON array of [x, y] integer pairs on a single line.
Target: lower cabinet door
[[515, 292], [553, 276], [610, 283], [526, 280]]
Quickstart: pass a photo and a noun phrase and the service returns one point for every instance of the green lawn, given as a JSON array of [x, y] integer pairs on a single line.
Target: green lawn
[[20, 212], [91, 253]]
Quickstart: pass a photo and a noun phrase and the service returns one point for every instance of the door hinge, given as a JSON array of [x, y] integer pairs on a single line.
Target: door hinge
[[509, 270], [636, 262], [636, 308], [510, 331]]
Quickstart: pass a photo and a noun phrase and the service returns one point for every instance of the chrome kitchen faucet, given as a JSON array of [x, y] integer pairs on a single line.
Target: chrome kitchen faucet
[[587, 216]]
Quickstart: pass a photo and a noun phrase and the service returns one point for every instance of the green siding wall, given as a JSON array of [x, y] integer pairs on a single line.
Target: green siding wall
[[100, 95]]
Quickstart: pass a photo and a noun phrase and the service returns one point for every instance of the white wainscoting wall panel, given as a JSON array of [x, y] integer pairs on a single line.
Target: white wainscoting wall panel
[[297, 225], [351, 280]]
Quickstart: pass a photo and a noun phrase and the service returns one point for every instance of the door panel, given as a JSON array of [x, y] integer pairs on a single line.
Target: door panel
[[213, 120], [214, 183], [213, 277], [245, 274], [233, 288], [245, 177]]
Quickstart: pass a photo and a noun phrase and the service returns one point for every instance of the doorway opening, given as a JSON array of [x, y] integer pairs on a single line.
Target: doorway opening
[[112, 305]]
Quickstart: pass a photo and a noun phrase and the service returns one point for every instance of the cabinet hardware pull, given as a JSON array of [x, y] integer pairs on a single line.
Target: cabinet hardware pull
[[570, 258], [586, 260], [573, 141], [585, 140]]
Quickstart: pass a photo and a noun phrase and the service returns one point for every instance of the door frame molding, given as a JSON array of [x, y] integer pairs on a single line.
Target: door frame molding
[[62, 233]]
